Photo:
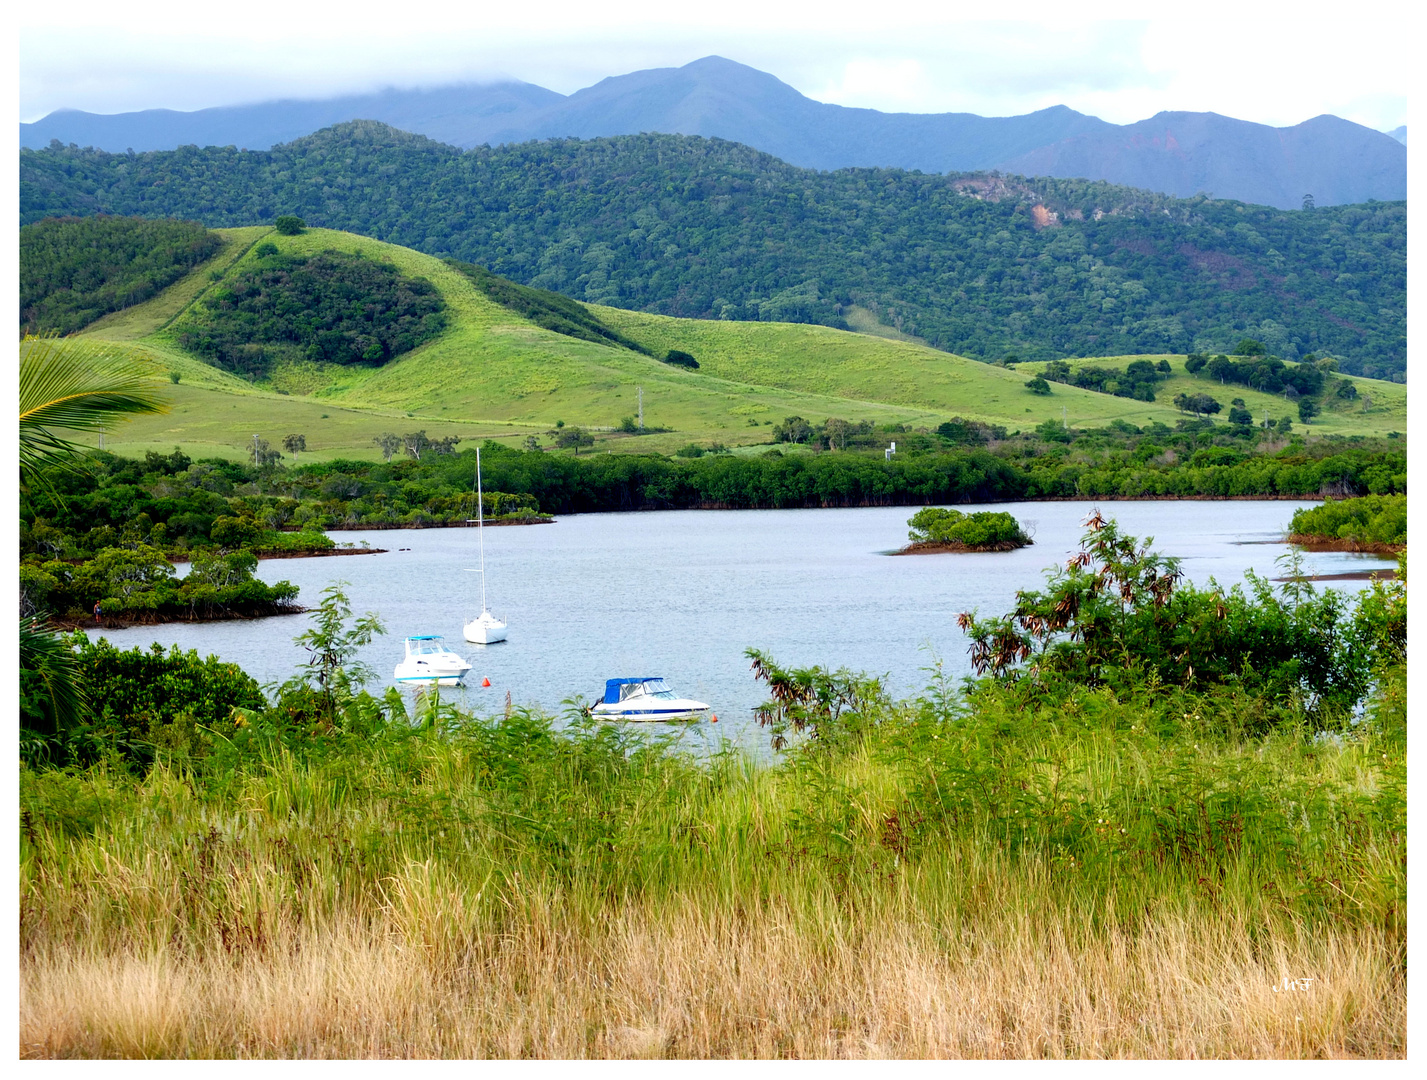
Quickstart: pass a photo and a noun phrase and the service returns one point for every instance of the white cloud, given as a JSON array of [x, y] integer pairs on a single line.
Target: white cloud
[[1226, 57]]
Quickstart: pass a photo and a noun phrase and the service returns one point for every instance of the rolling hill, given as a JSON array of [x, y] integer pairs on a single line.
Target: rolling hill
[[494, 373], [1177, 153], [979, 265]]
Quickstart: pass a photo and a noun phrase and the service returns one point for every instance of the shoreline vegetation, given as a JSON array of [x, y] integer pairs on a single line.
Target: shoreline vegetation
[[128, 620], [1160, 822], [107, 531], [1332, 543], [954, 547]]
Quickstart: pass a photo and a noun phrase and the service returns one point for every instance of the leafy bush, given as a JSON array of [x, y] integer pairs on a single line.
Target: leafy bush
[[679, 358], [145, 702], [1038, 386], [333, 307], [289, 225], [1118, 615], [75, 270]]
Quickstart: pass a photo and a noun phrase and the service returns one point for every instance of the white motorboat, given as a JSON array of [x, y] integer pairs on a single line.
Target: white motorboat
[[428, 660], [646, 698], [485, 628]]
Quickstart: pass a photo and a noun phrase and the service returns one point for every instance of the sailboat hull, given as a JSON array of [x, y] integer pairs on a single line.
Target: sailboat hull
[[486, 630]]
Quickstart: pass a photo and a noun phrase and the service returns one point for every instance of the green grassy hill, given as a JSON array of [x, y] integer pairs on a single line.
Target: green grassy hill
[[495, 374]]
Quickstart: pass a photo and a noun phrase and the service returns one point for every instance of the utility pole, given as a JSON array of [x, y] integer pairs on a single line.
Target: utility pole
[[1063, 423], [641, 407]]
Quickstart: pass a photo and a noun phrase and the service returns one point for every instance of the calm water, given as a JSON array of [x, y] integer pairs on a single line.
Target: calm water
[[682, 593]]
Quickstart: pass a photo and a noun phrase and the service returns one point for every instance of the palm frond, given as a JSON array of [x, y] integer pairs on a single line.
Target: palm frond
[[50, 656], [76, 385]]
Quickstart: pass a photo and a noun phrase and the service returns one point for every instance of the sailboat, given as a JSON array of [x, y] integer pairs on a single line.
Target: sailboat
[[485, 628]]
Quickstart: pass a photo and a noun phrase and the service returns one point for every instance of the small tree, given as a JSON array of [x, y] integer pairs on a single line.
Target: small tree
[[1307, 409], [574, 438], [414, 443], [262, 454], [1038, 386], [390, 443], [294, 443], [332, 644], [289, 225]]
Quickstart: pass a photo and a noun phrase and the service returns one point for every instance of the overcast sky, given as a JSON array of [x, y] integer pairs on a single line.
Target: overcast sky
[[1241, 59]]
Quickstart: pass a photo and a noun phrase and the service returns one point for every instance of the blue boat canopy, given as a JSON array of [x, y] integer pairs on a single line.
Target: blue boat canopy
[[612, 696]]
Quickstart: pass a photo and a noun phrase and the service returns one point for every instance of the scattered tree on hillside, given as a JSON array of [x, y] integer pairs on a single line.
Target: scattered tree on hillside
[[572, 438], [289, 225], [262, 454], [294, 443], [1198, 404], [390, 443]]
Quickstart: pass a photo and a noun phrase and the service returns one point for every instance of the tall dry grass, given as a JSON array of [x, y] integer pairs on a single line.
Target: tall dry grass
[[698, 978], [930, 886]]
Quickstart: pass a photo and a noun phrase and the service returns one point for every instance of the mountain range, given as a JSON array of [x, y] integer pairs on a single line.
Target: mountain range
[[1177, 153]]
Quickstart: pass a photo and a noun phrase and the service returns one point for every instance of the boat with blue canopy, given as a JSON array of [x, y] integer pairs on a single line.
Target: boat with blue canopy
[[646, 697]]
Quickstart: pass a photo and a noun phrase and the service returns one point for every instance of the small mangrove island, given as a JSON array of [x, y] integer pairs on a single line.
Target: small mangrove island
[[1375, 524], [936, 529]]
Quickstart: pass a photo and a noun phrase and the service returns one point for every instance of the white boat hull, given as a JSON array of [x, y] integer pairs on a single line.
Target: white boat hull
[[425, 665], [646, 710], [485, 629]]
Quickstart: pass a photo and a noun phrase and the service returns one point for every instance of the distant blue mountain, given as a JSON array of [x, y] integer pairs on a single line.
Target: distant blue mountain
[[1333, 160], [1400, 134]]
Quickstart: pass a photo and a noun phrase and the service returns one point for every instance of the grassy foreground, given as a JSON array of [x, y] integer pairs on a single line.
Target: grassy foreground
[[988, 877]]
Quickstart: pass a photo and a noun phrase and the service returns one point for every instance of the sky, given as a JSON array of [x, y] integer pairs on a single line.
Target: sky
[[1275, 63]]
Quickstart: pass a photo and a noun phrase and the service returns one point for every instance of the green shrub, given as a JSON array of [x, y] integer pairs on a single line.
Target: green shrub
[[289, 225], [982, 529], [1371, 519], [1118, 615]]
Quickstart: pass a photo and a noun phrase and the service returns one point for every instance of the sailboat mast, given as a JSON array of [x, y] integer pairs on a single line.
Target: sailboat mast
[[481, 526]]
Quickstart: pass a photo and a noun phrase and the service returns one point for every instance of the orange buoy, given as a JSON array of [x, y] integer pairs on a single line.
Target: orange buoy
[[485, 682], [713, 717]]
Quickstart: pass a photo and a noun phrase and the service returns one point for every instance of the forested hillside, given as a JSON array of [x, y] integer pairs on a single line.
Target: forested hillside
[[76, 270], [974, 263], [331, 307]]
